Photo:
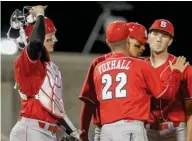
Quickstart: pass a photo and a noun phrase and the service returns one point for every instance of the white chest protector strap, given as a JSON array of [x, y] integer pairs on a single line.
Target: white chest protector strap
[[25, 97]]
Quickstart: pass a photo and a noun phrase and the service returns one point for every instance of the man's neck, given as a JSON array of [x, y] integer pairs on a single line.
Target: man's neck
[[158, 59], [120, 51]]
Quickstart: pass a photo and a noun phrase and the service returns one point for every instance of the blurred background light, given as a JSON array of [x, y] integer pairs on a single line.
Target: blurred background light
[[8, 47]]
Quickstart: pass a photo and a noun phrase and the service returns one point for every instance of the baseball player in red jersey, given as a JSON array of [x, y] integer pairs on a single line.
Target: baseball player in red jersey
[[167, 119], [39, 84], [137, 39], [120, 83]]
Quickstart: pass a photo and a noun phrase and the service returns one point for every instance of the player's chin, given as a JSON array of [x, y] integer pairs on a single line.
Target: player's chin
[[159, 51], [139, 54], [51, 49]]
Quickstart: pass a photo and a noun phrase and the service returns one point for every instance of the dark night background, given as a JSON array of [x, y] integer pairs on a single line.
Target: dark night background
[[75, 20]]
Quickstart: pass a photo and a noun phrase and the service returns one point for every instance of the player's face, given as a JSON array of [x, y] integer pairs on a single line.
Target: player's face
[[159, 41], [136, 48], [49, 42]]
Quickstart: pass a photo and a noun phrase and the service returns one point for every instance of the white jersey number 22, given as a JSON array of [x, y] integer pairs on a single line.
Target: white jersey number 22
[[119, 91]]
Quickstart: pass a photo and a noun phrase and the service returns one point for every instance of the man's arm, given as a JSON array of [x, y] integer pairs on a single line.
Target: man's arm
[[188, 78], [188, 105], [85, 118], [36, 40], [189, 128], [188, 101], [158, 88], [88, 96], [25, 66], [169, 88]]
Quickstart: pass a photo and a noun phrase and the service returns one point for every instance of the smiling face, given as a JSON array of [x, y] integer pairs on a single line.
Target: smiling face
[[49, 42]]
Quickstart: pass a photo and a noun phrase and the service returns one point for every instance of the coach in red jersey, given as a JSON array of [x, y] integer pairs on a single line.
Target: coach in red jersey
[[39, 84], [122, 89], [167, 119]]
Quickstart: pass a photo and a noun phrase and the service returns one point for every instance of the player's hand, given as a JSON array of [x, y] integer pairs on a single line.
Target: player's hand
[[180, 64], [37, 10], [83, 136]]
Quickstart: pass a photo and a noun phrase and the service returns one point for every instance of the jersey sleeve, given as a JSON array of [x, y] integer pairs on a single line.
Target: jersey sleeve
[[88, 90], [187, 84], [159, 88]]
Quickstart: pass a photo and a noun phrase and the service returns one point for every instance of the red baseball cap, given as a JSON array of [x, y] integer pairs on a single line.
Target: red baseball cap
[[49, 27], [164, 25], [117, 31], [138, 32]]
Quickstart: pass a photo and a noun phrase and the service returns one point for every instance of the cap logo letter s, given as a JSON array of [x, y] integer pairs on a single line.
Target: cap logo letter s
[[163, 24]]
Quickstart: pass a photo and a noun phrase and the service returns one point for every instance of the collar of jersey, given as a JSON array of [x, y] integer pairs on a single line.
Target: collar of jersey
[[118, 55]]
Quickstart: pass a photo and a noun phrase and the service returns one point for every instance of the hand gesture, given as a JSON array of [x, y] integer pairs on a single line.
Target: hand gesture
[[180, 64]]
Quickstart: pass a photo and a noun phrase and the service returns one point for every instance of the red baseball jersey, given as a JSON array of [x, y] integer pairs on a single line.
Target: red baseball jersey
[[88, 86], [172, 110], [120, 84], [29, 76]]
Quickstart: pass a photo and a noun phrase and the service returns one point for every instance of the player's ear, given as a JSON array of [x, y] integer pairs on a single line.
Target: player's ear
[[170, 41], [128, 41], [108, 43], [148, 35]]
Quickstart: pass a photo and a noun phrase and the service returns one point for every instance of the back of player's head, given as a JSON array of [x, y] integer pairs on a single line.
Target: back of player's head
[[116, 32], [49, 27], [163, 25]]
